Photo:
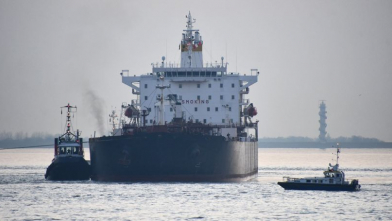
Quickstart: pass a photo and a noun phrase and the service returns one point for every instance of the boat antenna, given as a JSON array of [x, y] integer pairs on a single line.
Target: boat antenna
[[337, 153]]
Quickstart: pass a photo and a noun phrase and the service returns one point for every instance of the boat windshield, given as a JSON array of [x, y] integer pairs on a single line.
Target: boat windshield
[[69, 150]]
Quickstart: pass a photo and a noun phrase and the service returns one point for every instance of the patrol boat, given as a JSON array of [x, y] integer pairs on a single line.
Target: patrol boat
[[334, 179], [189, 122], [68, 162]]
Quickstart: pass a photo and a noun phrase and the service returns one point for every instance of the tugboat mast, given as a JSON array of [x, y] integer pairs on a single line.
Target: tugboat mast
[[68, 132]]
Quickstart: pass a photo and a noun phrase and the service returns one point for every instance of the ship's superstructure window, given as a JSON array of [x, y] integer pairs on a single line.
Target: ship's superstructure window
[[229, 108], [232, 85], [205, 121], [198, 97], [208, 108], [197, 120], [180, 85], [145, 85], [221, 85], [198, 85], [221, 97], [209, 97], [195, 109], [145, 97], [223, 120], [180, 97], [232, 97], [216, 109], [171, 109], [209, 85]]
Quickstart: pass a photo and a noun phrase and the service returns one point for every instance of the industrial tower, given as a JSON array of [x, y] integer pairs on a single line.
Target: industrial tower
[[323, 125]]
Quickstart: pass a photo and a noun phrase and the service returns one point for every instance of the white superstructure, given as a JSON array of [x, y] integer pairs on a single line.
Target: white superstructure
[[191, 90]]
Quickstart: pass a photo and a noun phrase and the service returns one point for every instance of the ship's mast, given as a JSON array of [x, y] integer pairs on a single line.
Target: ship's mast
[[161, 107], [337, 153], [191, 45], [68, 132], [112, 118]]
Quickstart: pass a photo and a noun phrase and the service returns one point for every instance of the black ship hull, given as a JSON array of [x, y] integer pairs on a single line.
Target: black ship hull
[[68, 168], [311, 186], [172, 157]]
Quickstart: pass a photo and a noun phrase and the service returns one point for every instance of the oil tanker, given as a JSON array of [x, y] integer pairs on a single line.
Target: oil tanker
[[190, 121]]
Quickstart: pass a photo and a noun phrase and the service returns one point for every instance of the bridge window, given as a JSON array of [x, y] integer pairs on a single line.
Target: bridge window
[[75, 150], [181, 74], [308, 181], [68, 150], [62, 150]]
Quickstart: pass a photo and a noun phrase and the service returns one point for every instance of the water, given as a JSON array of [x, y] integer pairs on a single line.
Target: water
[[26, 195]]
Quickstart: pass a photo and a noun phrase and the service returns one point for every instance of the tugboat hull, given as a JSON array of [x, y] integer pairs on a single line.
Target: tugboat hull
[[172, 157], [310, 186], [68, 168]]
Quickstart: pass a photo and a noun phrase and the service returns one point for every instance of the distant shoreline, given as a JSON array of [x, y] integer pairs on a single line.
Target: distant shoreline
[[276, 144]]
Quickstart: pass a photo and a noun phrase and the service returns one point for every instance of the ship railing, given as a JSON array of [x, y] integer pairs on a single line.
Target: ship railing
[[291, 179], [178, 65], [135, 102], [244, 102], [246, 139]]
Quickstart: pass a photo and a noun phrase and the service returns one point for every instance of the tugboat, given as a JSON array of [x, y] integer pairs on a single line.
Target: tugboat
[[68, 162], [334, 179]]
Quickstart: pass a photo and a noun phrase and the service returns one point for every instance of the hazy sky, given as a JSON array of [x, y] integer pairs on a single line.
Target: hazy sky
[[55, 52]]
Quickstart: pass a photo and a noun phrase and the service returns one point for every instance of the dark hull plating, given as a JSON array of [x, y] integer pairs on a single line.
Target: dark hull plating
[[310, 186], [68, 168], [171, 157]]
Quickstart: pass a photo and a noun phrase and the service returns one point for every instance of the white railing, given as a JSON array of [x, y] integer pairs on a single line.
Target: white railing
[[178, 65]]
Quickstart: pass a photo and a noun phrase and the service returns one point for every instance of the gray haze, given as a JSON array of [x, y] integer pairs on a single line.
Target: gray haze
[[52, 52]]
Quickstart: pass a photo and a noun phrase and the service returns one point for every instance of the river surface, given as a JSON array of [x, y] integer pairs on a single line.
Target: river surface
[[26, 195]]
